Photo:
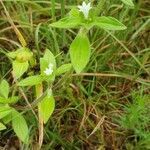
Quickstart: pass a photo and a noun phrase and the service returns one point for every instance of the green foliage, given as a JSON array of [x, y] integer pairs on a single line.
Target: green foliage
[[80, 47], [9, 100], [19, 68], [80, 52], [4, 89], [137, 114], [20, 126], [18, 122], [20, 63], [63, 69], [2, 127], [30, 81], [136, 118], [44, 63], [86, 103], [4, 110], [66, 23], [22, 54], [47, 106], [48, 58], [109, 23], [128, 2]]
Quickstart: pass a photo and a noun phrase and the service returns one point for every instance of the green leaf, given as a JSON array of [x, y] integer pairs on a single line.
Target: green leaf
[[19, 68], [10, 100], [2, 126], [109, 23], [80, 52], [74, 13], [43, 65], [22, 54], [30, 81], [7, 118], [4, 88], [68, 22], [46, 107], [48, 59], [4, 111], [63, 69], [20, 126], [128, 2], [13, 54]]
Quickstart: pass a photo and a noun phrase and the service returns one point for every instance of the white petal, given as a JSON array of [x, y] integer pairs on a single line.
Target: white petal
[[84, 4], [48, 71], [85, 8]]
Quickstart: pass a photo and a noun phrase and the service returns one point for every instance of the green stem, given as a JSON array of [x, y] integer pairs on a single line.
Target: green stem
[[53, 10], [39, 92], [62, 15]]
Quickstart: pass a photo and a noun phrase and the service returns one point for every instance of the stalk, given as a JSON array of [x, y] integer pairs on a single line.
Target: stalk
[[39, 92], [62, 16], [53, 10]]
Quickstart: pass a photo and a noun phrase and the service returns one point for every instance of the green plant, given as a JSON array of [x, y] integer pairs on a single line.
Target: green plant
[[8, 113], [48, 71], [86, 102], [85, 19]]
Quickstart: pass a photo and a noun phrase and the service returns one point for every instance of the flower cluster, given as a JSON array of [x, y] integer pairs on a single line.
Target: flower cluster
[[85, 8]]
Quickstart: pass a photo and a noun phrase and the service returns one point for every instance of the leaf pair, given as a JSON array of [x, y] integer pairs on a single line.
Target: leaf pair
[[47, 59], [103, 22], [80, 47]]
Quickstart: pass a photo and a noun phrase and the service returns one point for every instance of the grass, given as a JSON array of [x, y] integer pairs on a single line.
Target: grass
[[106, 107]]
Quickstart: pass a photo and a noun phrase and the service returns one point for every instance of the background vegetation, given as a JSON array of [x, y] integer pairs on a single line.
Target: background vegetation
[[108, 107]]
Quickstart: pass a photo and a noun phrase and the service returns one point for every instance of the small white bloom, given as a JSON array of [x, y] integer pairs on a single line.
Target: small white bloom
[[49, 70], [85, 8]]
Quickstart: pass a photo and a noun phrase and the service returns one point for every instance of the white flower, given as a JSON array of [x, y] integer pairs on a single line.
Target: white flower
[[49, 70], [85, 8]]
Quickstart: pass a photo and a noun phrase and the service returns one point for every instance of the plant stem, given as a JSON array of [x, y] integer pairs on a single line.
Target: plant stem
[[62, 15], [39, 92], [53, 10]]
